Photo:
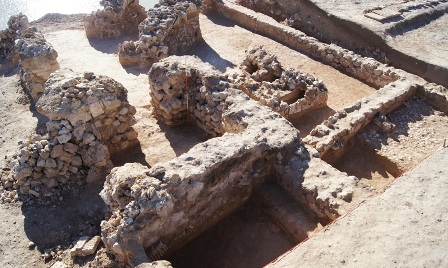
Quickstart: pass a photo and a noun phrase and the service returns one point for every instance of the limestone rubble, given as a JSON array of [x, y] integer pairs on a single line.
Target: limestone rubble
[[117, 18], [170, 28], [90, 119], [26, 46], [286, 91]]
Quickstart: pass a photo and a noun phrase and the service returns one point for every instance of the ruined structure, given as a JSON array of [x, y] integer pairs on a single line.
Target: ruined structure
[[254, 152], [288, 92], [90, 119], [190, 193], [171, 28], [26, 46], [117, 18]]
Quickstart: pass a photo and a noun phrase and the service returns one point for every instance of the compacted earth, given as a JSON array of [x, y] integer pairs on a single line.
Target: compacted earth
[[402, 224]]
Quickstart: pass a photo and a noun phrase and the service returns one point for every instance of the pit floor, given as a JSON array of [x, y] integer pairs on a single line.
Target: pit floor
[[247, 238]]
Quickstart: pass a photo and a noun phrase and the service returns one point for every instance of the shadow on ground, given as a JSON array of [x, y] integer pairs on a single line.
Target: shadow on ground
[[79, 213]]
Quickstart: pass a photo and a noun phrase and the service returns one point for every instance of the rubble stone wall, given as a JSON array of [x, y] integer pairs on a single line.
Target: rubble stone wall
[[286, 91], [27, 46], [367, 70], [339, 128], [206, 93], [90, 119], [117, 18], [170, 28], [16, 25], [171, 203]]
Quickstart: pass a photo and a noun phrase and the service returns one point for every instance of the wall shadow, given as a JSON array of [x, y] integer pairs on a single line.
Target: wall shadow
[[79, 213], [183, 137], [207, 54]]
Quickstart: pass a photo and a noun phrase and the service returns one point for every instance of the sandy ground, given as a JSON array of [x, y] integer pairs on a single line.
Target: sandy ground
[[403, 227], [223, 46]]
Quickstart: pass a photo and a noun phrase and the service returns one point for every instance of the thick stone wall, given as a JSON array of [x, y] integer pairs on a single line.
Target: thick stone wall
[[90, 119], [286, 91], [156, 210], [206, 93], [170, 28], [117, 18], [171, 203]]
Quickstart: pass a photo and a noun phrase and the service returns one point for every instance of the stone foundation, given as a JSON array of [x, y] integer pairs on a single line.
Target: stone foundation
[[156, 210], [171, 28], [286, 91], [90, 119], [117, 18], [27, 46]]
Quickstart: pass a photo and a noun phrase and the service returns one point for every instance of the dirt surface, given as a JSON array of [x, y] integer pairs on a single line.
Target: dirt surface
[[432, 48], [403, 227]]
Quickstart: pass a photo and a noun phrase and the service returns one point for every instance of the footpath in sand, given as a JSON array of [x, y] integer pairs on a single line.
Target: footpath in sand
[[403, 227]]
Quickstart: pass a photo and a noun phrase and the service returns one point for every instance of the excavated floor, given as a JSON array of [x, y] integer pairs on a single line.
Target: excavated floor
[[246, 238]]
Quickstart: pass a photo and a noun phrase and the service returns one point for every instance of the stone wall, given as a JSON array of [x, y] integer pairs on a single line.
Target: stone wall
[[170, 204], [333, 133], [206, 93], [171, 28], [27, 46], [286, 91], [90, 119], [16, 25], [117, 18], [367, 70], [156, 210]]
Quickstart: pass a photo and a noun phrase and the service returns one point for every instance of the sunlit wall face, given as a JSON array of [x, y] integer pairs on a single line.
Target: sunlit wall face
[[35, 9]]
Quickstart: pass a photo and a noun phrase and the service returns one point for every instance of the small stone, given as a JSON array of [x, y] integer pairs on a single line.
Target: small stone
[[88, 75], [31, 245], [70, 147], [50, 163], [64, 138], [57, 151]]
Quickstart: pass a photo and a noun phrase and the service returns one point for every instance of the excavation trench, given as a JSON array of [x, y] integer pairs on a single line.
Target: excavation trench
[[376, 156], [267, 225]]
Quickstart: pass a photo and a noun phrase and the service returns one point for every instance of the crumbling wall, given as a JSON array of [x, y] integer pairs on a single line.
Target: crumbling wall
[[161, 208], [206, 93], [330, 136], [117, 18], [367, 70], [16, 25], [27, 46], [286, 91], [90, 119], [171, 28]]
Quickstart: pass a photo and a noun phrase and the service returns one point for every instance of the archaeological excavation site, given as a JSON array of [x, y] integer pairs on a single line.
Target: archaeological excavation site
[[215, 133]]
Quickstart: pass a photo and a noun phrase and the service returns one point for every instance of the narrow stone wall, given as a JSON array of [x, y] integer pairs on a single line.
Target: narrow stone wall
[[286, 91], [339, 128], [90, 119], [171, 28], [367, 70], [117, 18]]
